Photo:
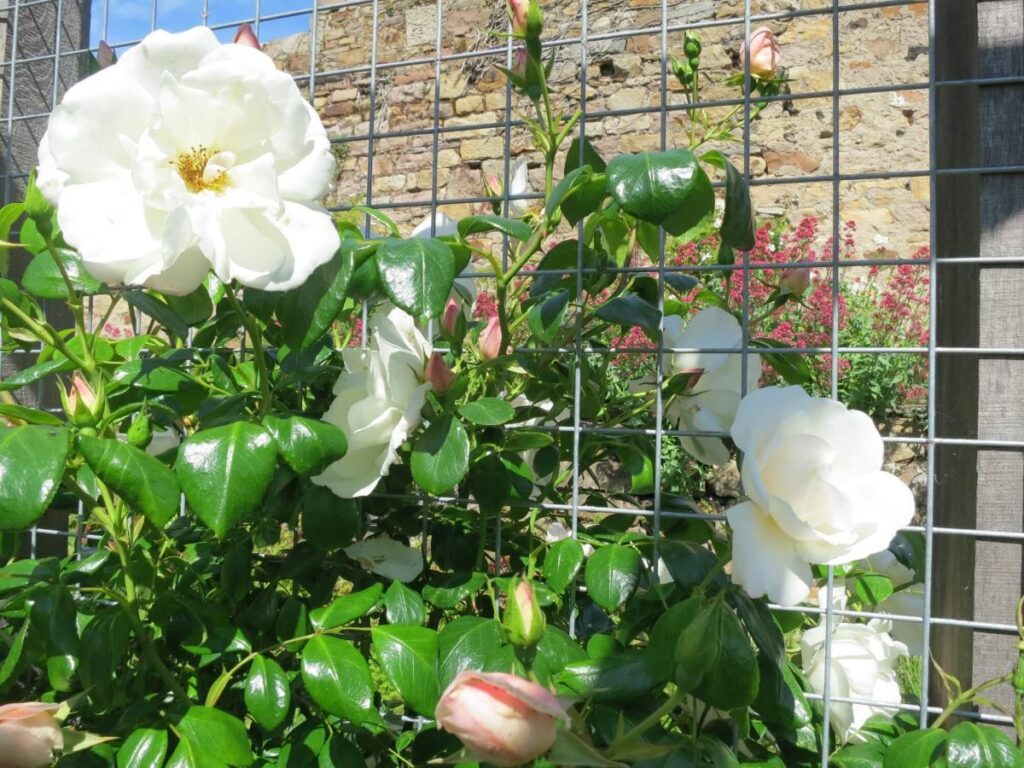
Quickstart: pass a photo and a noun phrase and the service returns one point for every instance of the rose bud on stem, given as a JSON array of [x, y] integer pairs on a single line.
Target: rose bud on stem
[[29, 734], [500, 718], [764, 53], [245, 36], [794, 282], [440, 376], [524, 621], [490, 340]]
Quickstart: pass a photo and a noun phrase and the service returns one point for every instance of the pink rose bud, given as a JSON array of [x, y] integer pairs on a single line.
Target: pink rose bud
[[500, 718], [794, 282], [438, 374], [245, 36], [29, 735], [450, 318], [524, 621], [764, 53], [519, 62], [490, 339], [105, 55], [517, 10], [82, 405], [493, 186]]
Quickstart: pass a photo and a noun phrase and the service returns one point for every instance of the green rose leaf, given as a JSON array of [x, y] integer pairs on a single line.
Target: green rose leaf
[[447, 591], [327, 521], [466, 643], [591, 157], [629, 310], [585, 197], [556, 650], [159, 310], [210, 731], [780, 700], [29, 415], [565, 186], [738, 220], [792, 368], [761, 625], [667, 188], [105, 641], [612, 575], [143, 481], [194, 308], [472, 225], [714, 659], [545, 318], [347, 608], [267, 693], [338, 678], [561, 564], [306, 312], [417, 274], [403, 606], [225, 471], [917, 749], [868, 755], [306, 445], [144, 748], [34, 373], [687, 563], [42, 277], [663, 638], [54, 618], [440, 456], [408, 656], [872, 588], [615, 678], [972, 745], [487, 412], [32, 462]]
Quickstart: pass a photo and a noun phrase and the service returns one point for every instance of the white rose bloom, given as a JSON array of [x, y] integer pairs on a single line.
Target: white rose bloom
[[711, 405], [378, 399], [907, 600], [520, 186], [186, 155], [863, 667], [387, 557], [816, 492]]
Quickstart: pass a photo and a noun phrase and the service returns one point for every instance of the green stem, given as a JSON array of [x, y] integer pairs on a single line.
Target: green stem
[[43, 332], [266, 401], [646, 724], [966, 697], [75, 304]]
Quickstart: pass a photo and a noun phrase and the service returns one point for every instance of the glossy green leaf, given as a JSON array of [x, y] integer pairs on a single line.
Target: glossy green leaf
[[668, 188], [664, 636], [329, 522], [32, 460], [792, 368], [214, 732], [780, 701], [267, 693], [687, 563], [158, 310], [193, 308], [564, 187], [616, 678], [306, 312], [12, 660], [144, 748], [917, 749], [306, 445], [105, 642], [546, 318], [612, 575], [557, 650], [472, 225], [408, 656], [449, 590], [591, 156], [42, 277], [29, 415], [34, 373], [466, 643], [629, 310], [347, 608], [338, 678], [972, 745], [153, 375], [417, 274], [585, 198], [140, 479], [871, 588], [738, 220], [570, 750], [761, 625], [869, 755], [487, 411], [561, 564], [714, 659], [225, 471], [54, 618], [440, 456], [404, 606]]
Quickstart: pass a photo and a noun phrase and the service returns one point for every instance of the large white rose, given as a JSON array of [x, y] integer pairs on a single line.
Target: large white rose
[[711, 405], [189, 154], [816, 492], [863, 667], [378, 399]]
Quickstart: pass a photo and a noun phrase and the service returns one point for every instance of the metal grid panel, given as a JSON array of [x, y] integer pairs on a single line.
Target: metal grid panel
[[264, 14]]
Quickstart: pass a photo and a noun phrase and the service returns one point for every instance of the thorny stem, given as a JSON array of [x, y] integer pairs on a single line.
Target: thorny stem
[[257, 351]]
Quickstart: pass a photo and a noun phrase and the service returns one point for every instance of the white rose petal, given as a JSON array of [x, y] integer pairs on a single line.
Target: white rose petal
[[711, 405], [520, 186], [387, 557], [863, 667], [817, 494], [377, 402], [197, 156]]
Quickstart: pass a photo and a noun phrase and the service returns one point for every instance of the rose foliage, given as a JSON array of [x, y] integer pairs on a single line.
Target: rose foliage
[[321, 511]]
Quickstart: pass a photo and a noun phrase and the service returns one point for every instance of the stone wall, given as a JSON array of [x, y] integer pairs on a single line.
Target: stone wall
[[792, 140]]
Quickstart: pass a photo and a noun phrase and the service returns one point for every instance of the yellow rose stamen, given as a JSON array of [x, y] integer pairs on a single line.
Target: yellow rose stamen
[[191, 167]]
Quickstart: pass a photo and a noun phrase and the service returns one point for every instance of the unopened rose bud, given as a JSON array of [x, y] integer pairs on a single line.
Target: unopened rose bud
[[534, 19], [105, 55], [29, 735], [794, 282], [245, 36], [764, 53], [519, 62], [490, 339], [440, 376], [524, 621], [140, 432], [493, 186], [450, 318], [500, 718], [82, 404], [517, 10]]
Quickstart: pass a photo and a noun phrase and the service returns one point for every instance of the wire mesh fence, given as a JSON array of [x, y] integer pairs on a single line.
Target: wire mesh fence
[[418, 117]]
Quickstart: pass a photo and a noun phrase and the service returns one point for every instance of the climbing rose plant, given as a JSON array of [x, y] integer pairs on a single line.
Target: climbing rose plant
[[321, 504]]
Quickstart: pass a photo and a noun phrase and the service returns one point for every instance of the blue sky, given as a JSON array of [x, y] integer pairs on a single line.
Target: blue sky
[[129, 20]]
